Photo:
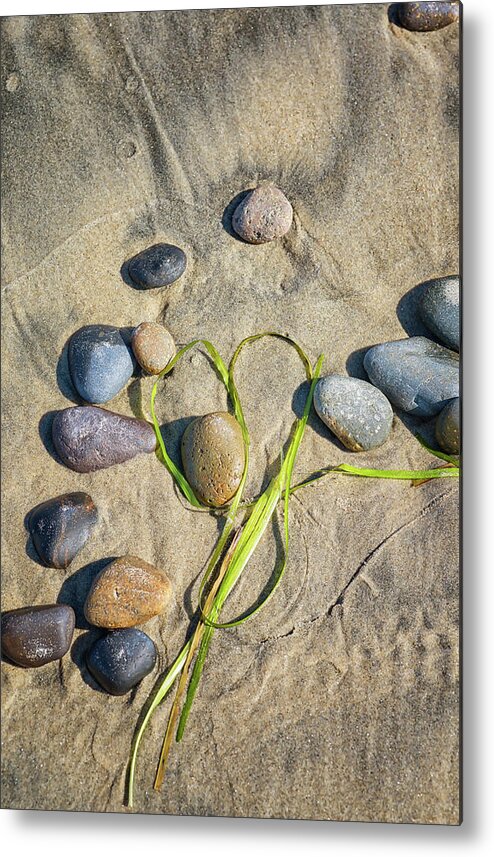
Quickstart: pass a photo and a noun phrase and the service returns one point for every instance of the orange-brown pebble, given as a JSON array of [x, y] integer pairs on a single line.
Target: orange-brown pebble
[[153, 346], [127, 592], [213, 457]]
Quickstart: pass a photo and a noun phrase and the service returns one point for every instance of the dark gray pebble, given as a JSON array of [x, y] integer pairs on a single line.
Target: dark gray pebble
[[100, 362], [440, 309], [34, 636], [355, 411], [416, 374], [88, 438], [61, 527], [121, 659], [159, 265], [424, 17], [448, 428]]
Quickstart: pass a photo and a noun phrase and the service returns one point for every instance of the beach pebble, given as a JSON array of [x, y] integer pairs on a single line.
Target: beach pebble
[[356, 412], [440, 310], [127, 592], [424, 17], [34, 636], [159, 265], [121, 659], [263, 215], [100, 362], [153, 346], [416, 374], [88, 438], [448, 428], [61, 527], [213, 457]]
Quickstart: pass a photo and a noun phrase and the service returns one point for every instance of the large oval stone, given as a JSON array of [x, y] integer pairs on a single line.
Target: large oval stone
[[356, 412], [416, 374], [100, 362], [88, 438], [121, 659], [263, 215], [159, 265], [424, 17], [127, 592], [213, 457], [61, 527], [447, 428], [153, 346], [440, 309], [34, 636]]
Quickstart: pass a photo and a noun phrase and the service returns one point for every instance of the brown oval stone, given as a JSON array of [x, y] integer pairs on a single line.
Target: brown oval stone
[[127, 592], [213, 457], [425, 17], [34, 636], [153, 346], [263, 215]]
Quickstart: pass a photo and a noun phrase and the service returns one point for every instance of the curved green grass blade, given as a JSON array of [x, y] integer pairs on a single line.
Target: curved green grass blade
[[438, 453], [177, 474], [252, 533]]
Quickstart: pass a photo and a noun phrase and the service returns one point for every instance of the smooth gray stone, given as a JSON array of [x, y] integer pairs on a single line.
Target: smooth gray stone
[[447, 428], [61, 527], [355, 411], [100, 362], [159, 265], [439, 309], [88, 438], [416, 374], [121, 659]]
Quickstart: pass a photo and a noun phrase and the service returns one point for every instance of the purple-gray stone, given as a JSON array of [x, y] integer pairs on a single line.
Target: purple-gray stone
[[100, 362], [88, 438], [416, 374], [34, 636]]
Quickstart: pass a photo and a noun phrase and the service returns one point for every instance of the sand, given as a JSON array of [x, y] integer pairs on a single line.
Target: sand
[[339, 701]]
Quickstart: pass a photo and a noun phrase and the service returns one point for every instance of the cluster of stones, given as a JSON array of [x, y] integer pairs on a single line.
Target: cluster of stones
[[126, 593], [417, 375]]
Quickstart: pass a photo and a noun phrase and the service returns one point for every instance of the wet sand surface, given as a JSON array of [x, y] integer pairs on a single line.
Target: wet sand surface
[[340, 700]]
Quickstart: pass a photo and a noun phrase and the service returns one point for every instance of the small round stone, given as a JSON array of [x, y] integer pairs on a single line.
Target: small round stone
[[159, 265], [356, 412], [263, 215], [88, 438], [425, 17], [448, 428], [153, 346], [213, 457], [34, 636], [121, 659], [415, 374], [440, 310], [61, 527], [100, 362], [127, 592]]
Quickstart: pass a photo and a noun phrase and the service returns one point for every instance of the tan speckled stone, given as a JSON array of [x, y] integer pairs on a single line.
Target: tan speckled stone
[[153, 346], [213, 457], [127, 592], [263, 215]]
